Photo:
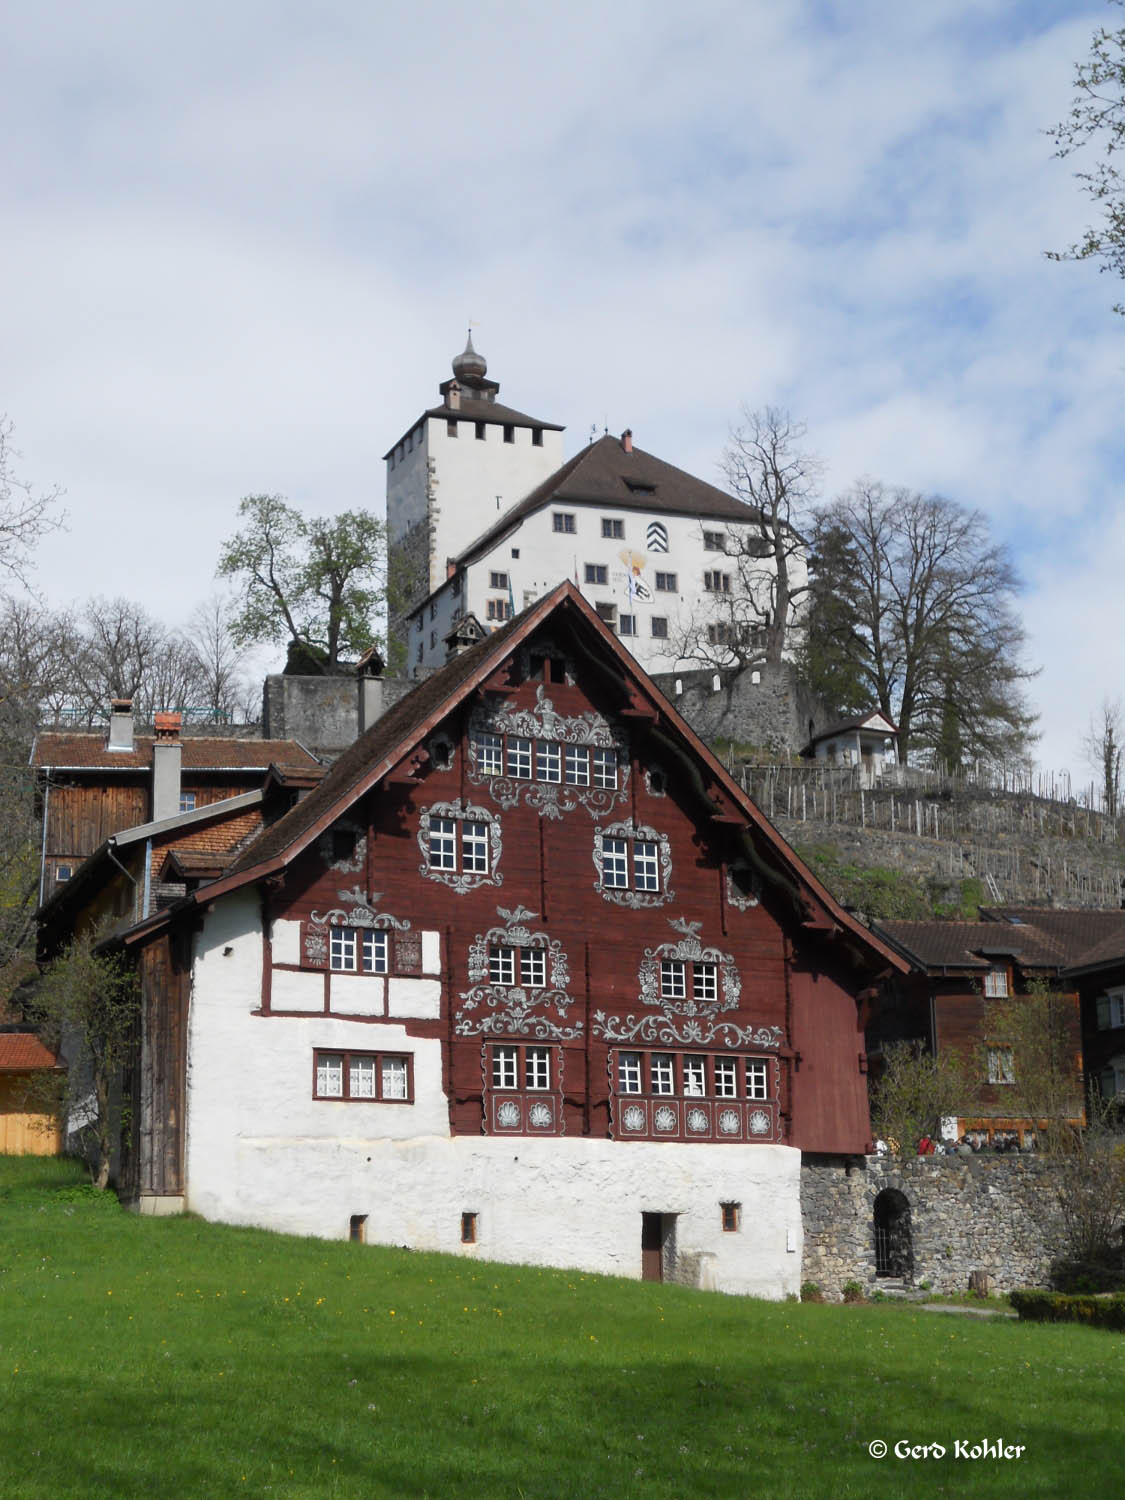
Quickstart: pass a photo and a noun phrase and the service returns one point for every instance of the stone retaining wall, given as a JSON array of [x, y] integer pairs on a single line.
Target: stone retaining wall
[[967, 1213]]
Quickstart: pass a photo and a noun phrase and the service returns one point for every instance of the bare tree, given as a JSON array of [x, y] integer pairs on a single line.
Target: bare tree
[[759, 579], [1102, 747], [1038, 1035], [25, 513], [210, 633], [911, 607]]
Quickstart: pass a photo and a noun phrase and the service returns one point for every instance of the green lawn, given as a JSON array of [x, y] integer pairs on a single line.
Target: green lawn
[[176, 1358]]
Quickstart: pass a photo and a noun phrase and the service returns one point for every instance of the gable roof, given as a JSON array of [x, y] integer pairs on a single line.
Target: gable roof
[[20, 1052], [69, 751], [875, 722], [1073, 931], [1035, 937], [606, 474], [394, 741]]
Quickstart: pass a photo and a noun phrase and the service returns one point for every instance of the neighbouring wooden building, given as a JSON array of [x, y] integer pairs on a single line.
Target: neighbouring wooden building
[[26, 1127], [526, 976], [959, 968], [92, 784]]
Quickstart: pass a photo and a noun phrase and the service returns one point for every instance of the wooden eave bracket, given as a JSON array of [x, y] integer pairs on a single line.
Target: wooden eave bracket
[[637, 708], [499, 682], [409, 768]]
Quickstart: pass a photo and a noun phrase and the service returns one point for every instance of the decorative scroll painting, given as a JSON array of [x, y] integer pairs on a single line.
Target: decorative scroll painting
[[537, 1011]]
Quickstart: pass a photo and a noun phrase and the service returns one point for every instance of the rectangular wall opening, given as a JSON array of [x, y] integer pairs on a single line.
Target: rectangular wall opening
[[357, 1229], [468, 1229]]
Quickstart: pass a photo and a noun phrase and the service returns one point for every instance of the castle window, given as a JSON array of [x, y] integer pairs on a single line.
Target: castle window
[[607, 613], [612, 528], [713, 541], [498, 580], [451, 426], [497, 609], [482, 432], [627, 625], [369, 1076], [563, 520], [659, 627], [731, 1213], [667, 583], [468, 1229], [597, 573], [717, 583], [537, 437], [509, 432]]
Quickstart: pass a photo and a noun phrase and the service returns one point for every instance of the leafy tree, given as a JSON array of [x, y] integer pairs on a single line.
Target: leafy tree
[[766, 466], [911, 611], [1097, 119], [87, 1007], [1040, 1030], [317, 583], [915, 1091]]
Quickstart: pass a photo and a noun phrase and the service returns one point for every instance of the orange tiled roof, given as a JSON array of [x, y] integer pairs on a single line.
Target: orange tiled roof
[[21, 1052]]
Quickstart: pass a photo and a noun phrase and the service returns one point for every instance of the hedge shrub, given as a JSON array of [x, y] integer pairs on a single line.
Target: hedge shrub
[[1054, 1307]]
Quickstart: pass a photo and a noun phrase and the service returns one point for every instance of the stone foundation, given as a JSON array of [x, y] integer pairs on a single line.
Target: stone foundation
[[966, 1214]]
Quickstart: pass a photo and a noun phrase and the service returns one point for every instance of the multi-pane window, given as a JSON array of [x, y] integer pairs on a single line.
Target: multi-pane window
[[666, 583], [996, 982], [596, 573], [627, 625], [625, 858], [577, 765], [612, 528], [447, 835], [673, 979], [713, 541], [704, 982], [692, 1075], [498, 580], [529, 963], [717, 583], [548, 761], [562, 520], [187, 802], [489, 754], [629, 1079], [497, 609], [536, 1067], [519, 758], [1000, 1068], [362, 1075], [605, 769], [353, 950], [757, 1086]]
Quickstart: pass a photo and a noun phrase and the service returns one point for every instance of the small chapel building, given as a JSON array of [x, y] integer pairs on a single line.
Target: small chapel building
[[526, 976]]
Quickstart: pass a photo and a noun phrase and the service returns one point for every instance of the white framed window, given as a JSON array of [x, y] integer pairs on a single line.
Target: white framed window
[[704, 981], [187, 802], [627, 625], [726, 1078], [363, 1076], [533, 968], [646, 866], [502, 965], [375, 952], [695, 1077], [548, 761], [343, 948], [1000, 1069], [662, 1073], [489, 750], [537, 1068], [474, 847], [605, 769], [629, 1073], [529, 963], [1111, 1010], [615, 864], [505, 1067], [577, 765], [673, 979], [757, 1086], [443, 844], [519, 758], [996, 982]]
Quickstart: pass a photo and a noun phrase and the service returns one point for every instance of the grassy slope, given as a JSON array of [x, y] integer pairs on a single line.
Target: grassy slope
[[177, 1358]]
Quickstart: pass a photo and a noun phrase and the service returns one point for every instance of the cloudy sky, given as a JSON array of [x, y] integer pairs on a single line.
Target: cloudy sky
[[243, 242]]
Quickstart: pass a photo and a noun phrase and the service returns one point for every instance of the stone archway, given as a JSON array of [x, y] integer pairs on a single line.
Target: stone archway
[[894, 1242]]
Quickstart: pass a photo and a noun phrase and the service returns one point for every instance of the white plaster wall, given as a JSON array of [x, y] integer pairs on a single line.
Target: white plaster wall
[[546, 557], [413, 999], [285, 936], [291, 990]]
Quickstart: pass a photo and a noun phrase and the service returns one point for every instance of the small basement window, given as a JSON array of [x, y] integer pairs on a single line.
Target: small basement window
[[468, 1229], [357, 1229], [731, 1217]]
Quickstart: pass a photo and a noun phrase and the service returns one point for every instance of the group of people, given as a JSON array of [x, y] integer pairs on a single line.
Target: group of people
[[973, 1140]]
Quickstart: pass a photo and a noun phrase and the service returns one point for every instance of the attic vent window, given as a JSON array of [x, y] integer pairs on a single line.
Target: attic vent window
[[638, 487]]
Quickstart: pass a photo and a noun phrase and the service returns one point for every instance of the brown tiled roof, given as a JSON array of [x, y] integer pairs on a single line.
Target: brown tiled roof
[[601, 475], [1074, 932], [204, 863], [1111, 950], [960, 945], [79, 752], [20, 1052]]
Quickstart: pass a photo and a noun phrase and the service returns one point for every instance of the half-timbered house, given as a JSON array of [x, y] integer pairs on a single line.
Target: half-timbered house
[[527, 976]]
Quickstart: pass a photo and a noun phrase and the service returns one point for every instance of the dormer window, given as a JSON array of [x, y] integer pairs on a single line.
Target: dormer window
[[996, 982]]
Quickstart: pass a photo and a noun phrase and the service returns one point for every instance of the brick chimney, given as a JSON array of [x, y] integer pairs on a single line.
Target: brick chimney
[[166, 759], [627, 440], [120, 724]]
